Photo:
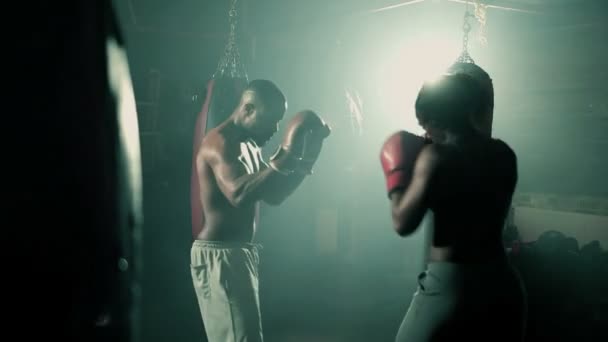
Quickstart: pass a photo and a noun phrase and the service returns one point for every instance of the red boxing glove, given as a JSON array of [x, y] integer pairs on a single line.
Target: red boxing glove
[[398, 157]]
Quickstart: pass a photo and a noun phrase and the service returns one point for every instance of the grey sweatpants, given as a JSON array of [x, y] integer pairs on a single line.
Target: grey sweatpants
[[472, 302], [225, 278]]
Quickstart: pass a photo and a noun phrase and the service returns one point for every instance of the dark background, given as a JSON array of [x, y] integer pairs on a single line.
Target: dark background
[[331, 264]]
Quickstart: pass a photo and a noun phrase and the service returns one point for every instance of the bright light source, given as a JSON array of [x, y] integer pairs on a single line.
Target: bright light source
[[421, 58]]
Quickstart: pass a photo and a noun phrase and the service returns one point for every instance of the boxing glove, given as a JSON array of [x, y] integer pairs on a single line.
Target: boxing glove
[[301, 143], [313, 142], [398, 157]]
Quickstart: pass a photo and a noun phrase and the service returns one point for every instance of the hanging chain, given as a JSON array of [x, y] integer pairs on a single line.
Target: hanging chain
[[230, 64], [480, 15], [466, 28]]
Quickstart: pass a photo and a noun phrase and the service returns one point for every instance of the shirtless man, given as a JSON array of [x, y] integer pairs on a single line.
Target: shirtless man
[[467, 180], [232, 179]]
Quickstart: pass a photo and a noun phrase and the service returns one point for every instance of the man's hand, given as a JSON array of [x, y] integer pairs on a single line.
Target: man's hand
[[301, 144]]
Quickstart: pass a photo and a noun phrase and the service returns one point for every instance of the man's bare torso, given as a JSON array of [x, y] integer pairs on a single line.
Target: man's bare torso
[[221, 220]]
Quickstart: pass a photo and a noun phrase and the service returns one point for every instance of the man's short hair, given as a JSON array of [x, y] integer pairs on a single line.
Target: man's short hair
[[266, 90]]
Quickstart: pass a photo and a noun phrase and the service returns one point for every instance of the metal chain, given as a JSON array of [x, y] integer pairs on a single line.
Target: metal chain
[[230, 64], [480, 15], [466, 28]]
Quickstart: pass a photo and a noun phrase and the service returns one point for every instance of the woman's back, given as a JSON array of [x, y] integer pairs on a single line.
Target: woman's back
[[470, 198], [468, 289]]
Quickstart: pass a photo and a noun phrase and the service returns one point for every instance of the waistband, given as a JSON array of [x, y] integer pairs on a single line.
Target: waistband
[[498, 264], [226, 244]]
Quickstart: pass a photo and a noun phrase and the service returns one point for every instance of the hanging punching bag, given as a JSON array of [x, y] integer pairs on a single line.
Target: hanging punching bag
[[222, 94], [483, 122], [74, 185], [466, 65]]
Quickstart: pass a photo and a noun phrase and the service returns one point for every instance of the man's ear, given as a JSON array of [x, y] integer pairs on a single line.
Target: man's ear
[[249, 109]]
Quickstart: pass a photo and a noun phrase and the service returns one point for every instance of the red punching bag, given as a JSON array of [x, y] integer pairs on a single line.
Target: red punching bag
[[222, 93]]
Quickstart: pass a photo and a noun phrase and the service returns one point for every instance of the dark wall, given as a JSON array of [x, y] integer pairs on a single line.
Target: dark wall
[[550, 106]]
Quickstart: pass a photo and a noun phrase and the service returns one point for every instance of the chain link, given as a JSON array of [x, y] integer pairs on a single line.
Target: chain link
[[480, 15], [230, 64], [466, 28]]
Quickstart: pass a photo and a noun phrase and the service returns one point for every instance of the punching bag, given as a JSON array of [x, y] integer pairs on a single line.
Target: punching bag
[[465, 64], [74, 184], [484, 121], [222, 94]]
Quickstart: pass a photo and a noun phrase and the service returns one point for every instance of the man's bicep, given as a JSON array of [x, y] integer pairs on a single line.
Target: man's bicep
[[226, 167]]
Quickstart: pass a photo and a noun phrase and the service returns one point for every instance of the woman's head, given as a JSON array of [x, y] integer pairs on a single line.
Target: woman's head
[[483, 121], [448, 105]]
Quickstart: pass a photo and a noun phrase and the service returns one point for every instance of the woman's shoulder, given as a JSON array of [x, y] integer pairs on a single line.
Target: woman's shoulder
[[503, 149]]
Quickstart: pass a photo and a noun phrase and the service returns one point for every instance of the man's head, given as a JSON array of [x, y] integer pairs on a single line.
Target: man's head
[[483, 121], [260, 109], [448, 105]]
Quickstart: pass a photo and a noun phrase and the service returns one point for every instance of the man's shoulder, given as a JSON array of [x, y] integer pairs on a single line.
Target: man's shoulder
[[219, 141]]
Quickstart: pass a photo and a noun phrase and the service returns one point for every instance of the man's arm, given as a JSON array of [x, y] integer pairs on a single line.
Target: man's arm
[[283, 187], [305, 134], [287, 169], [239, 187], [408, 206]]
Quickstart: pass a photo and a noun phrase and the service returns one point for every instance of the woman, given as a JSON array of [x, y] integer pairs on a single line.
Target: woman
[[467, 180]]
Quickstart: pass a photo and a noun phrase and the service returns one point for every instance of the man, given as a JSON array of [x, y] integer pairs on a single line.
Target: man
[[232, 180], [467, 180]]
